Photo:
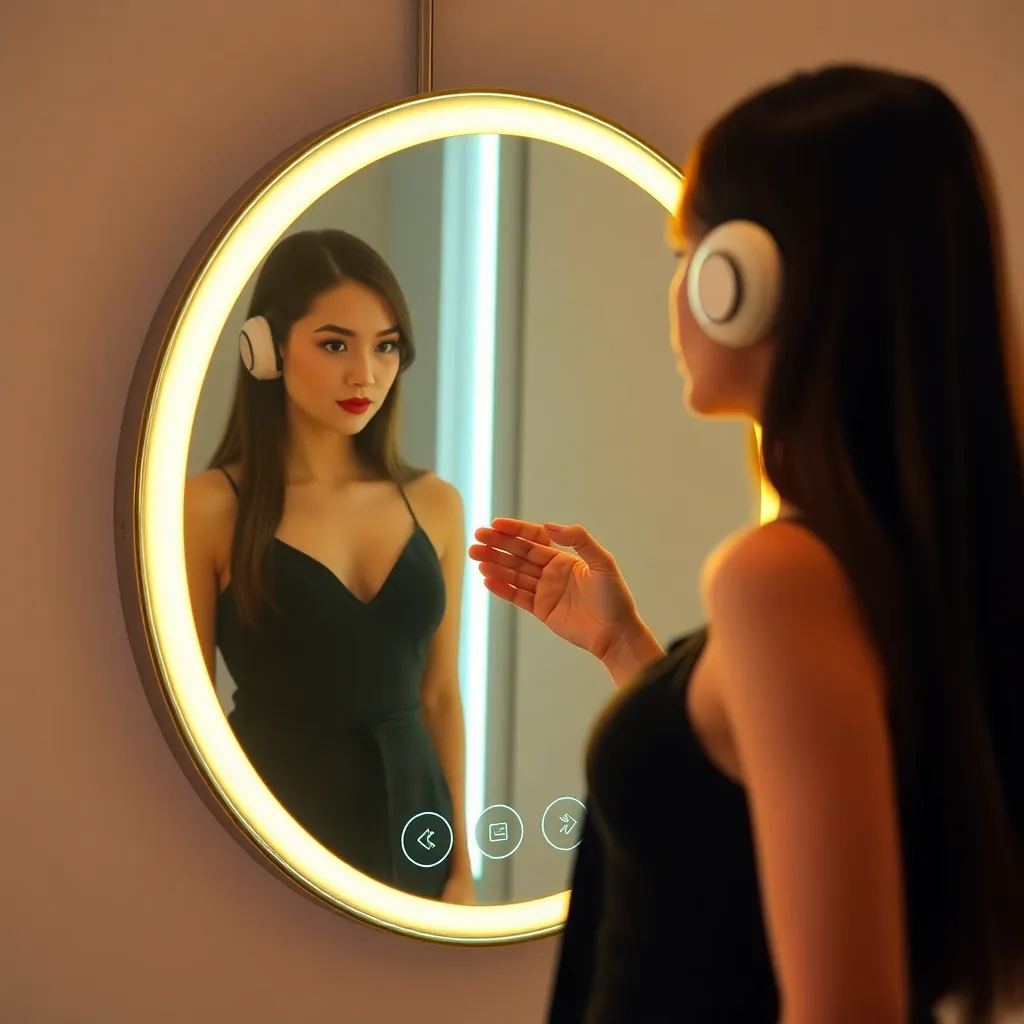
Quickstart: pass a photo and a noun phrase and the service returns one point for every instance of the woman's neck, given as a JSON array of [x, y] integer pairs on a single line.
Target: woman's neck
[[318, 455]]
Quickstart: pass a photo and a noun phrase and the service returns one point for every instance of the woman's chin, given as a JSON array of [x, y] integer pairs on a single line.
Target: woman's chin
[[692, 398], [348, 425], [703, 405]]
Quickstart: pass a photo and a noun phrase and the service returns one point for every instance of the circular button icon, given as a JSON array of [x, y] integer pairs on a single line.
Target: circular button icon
[[562, 822], [427, 839], [499, 831]]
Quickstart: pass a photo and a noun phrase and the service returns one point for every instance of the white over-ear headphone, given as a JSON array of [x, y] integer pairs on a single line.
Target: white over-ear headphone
[[734, 283], [260, 355]]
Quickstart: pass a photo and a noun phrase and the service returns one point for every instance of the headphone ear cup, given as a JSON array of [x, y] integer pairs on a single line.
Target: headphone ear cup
[[734, 283], [257, 350]]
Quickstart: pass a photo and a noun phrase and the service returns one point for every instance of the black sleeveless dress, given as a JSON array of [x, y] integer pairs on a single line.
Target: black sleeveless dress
[[665, 921], [327, 707], [664, 918]]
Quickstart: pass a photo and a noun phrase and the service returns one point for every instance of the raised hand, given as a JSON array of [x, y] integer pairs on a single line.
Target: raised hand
[[579, 595]]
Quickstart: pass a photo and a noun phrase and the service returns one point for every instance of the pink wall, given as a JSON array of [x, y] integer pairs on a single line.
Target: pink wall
[[124, 126]]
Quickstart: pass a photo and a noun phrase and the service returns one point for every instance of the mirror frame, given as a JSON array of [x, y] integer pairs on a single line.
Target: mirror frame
[[151, 469]]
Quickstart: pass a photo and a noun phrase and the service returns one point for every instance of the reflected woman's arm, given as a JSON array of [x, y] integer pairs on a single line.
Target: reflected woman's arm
[[442, 703], [204, 514]]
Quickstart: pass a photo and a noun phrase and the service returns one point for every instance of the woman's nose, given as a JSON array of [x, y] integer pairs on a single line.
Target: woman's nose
[[359, 370]]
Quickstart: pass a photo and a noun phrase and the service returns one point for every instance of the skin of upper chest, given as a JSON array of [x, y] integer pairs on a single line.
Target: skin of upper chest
[[358, 533], [361, 532]]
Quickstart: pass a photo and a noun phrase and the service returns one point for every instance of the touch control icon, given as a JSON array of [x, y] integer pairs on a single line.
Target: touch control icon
[[427, 839], [499, 831], [562, 823]]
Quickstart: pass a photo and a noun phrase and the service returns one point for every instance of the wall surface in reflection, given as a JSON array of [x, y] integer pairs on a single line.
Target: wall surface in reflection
[[605, 443]]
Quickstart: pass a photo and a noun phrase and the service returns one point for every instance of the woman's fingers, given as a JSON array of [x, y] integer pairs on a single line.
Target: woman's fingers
[[521, 528], [520, 598], [577, 538], [538, 553], [485, 553], [519, 580]]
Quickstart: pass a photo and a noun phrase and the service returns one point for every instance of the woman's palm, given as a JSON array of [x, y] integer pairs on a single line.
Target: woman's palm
[[580, 595]]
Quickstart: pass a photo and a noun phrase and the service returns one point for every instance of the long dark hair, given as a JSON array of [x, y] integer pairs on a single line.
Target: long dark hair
[[299, 269], [891, 423]]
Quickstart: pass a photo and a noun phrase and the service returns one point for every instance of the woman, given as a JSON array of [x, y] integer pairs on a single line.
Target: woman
[[812, 810], [329, 573]]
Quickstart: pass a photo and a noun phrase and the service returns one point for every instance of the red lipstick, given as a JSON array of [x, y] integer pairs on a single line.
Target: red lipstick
[[355, 405]]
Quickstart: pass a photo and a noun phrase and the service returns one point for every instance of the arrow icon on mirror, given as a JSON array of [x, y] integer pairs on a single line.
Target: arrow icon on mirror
[[570, 823], [424, 840]]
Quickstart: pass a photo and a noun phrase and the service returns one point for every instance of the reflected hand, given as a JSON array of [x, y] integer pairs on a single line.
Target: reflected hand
[[579, 596], [460, 889]]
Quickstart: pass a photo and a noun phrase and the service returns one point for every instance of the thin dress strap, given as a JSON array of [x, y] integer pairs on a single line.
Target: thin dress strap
[[401, 491], [230, 480]]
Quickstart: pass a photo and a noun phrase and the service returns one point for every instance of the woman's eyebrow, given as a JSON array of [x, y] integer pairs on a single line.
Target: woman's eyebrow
[[349, 333]]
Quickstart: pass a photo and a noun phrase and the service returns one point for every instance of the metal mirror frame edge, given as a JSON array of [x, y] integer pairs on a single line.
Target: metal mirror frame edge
[[364, 899]]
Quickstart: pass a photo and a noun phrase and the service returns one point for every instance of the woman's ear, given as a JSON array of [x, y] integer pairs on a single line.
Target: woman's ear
[[281, 344]]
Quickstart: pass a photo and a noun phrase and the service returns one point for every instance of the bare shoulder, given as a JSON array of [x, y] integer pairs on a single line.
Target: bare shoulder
[[784, 614], [208, 494], [438, 506], [438, 499], [437, 492], [210, 510], [773, 568]]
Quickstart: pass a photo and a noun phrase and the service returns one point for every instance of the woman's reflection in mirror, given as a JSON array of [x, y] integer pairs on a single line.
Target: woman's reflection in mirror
[[329, 573]]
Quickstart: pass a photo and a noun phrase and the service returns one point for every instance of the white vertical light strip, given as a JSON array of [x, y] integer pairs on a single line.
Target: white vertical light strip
[[465, 427]]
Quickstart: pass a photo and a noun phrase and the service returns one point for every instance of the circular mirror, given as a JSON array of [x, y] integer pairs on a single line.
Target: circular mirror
[[447, 310]]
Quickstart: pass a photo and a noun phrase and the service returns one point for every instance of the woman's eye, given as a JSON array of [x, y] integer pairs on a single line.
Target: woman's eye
[[335, 345]]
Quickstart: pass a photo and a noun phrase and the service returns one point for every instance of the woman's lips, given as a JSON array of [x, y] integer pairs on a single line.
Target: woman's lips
[[356, 405]]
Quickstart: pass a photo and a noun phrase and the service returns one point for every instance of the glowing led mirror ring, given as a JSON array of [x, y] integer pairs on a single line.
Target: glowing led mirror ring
[[151, 474]]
